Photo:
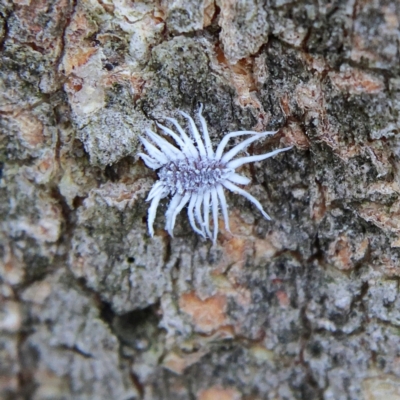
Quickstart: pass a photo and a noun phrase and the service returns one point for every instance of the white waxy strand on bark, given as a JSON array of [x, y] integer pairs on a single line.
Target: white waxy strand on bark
[[242, 146], [224, 206], [176, 211], [214, 203], [245, 160], [171, 151], [157, 187], [239, 179], [174, 136], [206, 135], [235, 189], [152, 213], [226, 138], [192, 203], [199, 202], [171, 208], [153, 151], [186, 139], [206, 213], [196, 134], [150, 162]]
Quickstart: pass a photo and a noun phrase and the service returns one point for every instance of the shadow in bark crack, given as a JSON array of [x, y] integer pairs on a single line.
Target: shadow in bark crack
[[136, 329]]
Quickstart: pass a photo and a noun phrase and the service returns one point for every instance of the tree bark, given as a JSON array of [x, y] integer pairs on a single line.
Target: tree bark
[[305, 306]]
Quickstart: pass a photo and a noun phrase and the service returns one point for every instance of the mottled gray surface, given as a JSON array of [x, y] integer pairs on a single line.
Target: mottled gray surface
[[306, 306]]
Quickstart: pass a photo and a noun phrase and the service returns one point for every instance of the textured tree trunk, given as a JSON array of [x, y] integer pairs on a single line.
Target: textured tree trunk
[[306, 306]]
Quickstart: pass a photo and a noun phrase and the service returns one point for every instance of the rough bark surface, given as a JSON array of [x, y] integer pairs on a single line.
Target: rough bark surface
[[306, 306]]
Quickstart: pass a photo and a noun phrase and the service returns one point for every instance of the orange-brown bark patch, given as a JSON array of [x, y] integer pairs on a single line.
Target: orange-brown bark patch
[[340, 253], [11, 266], [30, 130], [264, 250], [345, 252], [355, 81], [77, 58], [295, 135], [219, 393], [388, 219], [207, 315], [360, 50], [283, 298], [178, 363], [318, 202], [241, 77], [389, 267], [209, 11], [79, 48]]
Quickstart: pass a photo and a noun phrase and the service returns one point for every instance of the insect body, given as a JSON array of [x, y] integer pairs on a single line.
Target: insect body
[[196, 175]]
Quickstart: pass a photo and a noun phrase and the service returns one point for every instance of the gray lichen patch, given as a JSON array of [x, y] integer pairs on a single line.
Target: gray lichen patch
[[375, 36], [16, 91], [31, 227], [70, 348], [185, 16], [9, 369], [28, 133], [101, 81], [179, 63], [110, 135], [244, 28], [34, 40], [109, 252], [185, 63]]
